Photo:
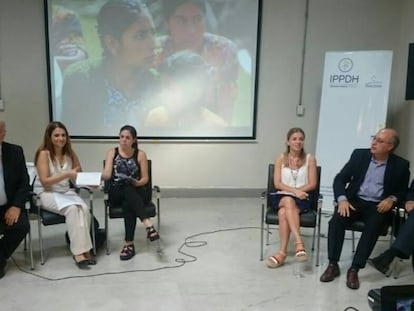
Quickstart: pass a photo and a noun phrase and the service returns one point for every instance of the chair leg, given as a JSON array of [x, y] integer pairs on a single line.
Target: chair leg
[[30, 248], [261, 233], [92, 223], [158, 225], [39, 226], [353, 241], [107, 230], [319, 235]]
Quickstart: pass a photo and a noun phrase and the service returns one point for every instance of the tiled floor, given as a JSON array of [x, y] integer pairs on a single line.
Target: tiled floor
[[210, 261]]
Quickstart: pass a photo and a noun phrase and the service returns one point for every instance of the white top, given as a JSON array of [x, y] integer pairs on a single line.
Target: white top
[[64, 195], [295, 178]]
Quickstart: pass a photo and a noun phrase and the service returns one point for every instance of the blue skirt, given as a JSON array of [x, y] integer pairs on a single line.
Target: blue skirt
[[303, 205]]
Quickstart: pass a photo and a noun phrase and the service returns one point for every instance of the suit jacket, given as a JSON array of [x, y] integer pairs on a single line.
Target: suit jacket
[[349, 179], [16, 179], [410, 193]]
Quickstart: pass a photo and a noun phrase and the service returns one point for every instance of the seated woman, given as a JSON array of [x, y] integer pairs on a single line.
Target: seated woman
[[126, 167], [294, 176], [57, 164]]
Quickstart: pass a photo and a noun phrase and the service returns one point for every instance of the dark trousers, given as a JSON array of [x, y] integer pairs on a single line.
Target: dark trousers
[[374, 222], [131, 200], [13, 234], [405, 238]]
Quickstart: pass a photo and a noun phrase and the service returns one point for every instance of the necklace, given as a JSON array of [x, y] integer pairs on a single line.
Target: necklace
[[293, 172]]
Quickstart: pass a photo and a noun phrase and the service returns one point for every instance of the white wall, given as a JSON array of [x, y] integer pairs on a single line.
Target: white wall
[[333, 25]]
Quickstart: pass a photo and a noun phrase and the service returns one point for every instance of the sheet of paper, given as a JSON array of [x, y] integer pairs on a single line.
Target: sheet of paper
[[88, 179]]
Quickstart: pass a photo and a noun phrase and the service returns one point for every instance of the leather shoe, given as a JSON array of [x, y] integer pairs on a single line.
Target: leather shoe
[[352, 280], [379, 264], [2, 268], [331, 272]]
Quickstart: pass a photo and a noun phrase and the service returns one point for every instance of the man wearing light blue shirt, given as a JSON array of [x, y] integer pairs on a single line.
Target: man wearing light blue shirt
[[366, 189]]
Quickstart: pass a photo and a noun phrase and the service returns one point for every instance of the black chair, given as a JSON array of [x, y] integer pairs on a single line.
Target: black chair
[[310, 219], [31, 171], [359, 226], [116, 211], [48, 218]]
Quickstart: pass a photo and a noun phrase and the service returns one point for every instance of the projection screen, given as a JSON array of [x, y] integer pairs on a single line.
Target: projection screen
[[174, 69]]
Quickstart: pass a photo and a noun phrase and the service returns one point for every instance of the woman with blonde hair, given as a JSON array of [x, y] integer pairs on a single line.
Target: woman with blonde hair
[[295, 175]]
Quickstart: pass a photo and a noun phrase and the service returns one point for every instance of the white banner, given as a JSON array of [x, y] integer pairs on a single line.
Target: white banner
[[353, 108]]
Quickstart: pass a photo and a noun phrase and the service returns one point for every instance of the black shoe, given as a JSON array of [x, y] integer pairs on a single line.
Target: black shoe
[[152, 234], [128, 251], [82, 264], [92, 261], [2, 268], [380, 264]]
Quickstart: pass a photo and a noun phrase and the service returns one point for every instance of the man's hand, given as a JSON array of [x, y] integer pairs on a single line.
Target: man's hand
[[409, 206], [344, 208], [385, 205], [12, 215]]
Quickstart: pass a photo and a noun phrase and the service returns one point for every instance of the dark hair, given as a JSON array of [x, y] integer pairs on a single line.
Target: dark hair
[[133, 133], [48, 145], [185, 64], [169, 6], [115, 16]]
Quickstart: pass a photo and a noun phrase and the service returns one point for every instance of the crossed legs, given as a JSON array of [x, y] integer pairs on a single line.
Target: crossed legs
[[289, 223]]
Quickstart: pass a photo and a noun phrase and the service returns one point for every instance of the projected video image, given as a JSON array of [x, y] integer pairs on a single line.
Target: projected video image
[[174, 69]]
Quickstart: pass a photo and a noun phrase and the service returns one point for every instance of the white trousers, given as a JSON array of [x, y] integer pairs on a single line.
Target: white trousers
[[78, 220]]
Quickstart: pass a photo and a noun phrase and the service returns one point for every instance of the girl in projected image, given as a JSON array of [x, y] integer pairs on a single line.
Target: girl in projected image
[[185, 79], [186, 26], [126, 166], [101, 95], [57, 164], [295, 175]]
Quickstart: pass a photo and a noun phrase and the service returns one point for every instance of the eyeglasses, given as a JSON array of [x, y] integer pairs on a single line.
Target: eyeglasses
[[380, 140]]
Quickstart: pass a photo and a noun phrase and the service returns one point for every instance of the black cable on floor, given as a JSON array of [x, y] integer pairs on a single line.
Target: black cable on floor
[[180, 261]]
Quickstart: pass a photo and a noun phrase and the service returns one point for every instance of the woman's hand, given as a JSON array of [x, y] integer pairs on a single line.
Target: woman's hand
[[301, 194], [72, 174], [135, 182]]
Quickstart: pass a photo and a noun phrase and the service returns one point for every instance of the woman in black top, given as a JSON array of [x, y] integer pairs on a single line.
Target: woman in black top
[[126, 166]]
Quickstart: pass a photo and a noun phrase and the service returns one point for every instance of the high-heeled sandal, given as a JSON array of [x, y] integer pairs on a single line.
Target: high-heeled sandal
[[300, 253], [128, 251], [82, 264], [152, 234], [276, 260]]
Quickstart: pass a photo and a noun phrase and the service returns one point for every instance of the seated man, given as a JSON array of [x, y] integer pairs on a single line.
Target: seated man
[[403, 246], [14, 190], [366, 188]]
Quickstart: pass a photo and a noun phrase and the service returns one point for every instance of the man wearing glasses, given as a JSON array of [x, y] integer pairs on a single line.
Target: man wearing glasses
[[366, 189]]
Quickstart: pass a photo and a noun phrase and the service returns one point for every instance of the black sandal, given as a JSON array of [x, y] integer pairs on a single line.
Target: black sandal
[[152, 234], [128, 251]]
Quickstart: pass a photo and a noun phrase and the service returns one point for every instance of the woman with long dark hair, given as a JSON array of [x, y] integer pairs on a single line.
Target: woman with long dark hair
[[57, 164], [126, 167]]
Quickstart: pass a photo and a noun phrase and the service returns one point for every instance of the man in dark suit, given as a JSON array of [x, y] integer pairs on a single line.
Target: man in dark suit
[[403, 246], [366, 188], [14, 190]]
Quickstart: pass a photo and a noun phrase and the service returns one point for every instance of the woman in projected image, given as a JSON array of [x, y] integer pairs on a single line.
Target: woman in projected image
[[185, 79], [186, 27], [126, 166], [101, 95], [57, 164], [295, 176]]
